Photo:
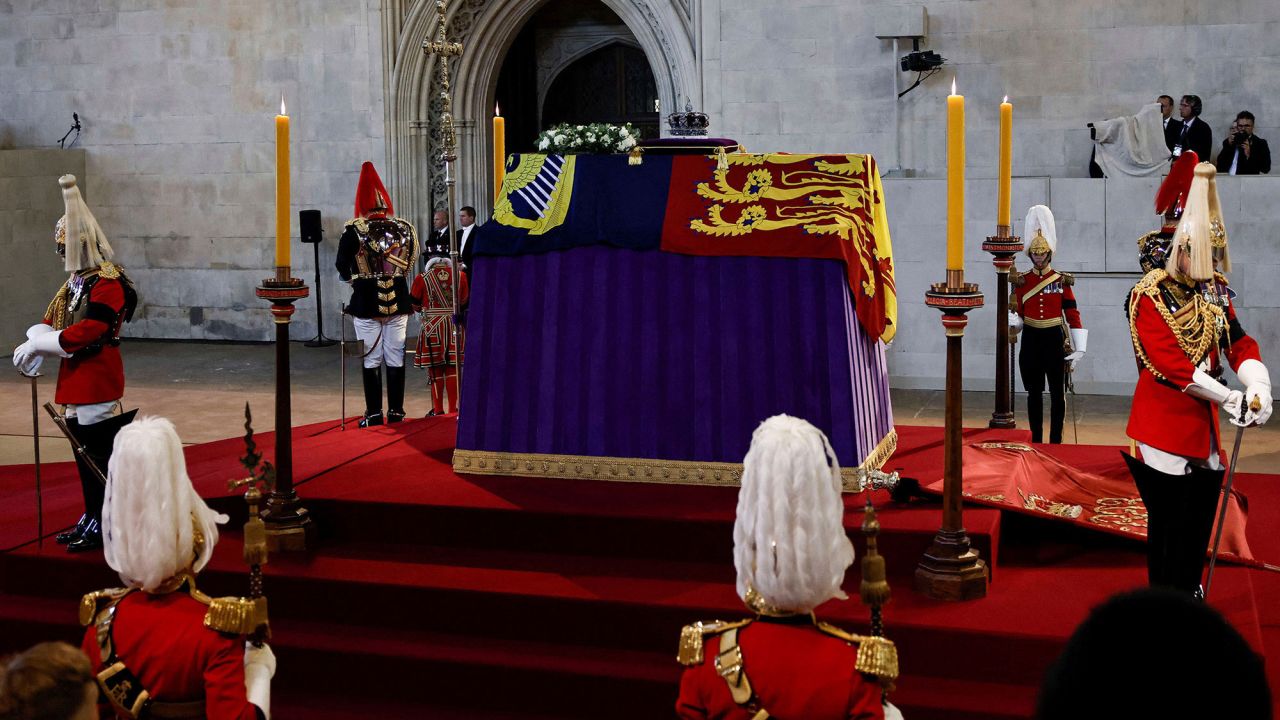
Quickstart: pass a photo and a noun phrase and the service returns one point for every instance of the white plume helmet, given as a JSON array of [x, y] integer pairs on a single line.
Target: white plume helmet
[[789, 541], [151, 512], [1201, 221], [87, 245], [1040, 222], [438, 260]]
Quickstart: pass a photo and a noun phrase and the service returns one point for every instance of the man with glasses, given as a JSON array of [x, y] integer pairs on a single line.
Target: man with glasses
[[1191, 133], [1244, 153]]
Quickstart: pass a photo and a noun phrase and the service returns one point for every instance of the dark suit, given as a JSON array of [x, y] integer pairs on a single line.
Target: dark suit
[[467, 250], [1259, 160], [1196, 137], [1171, 130]]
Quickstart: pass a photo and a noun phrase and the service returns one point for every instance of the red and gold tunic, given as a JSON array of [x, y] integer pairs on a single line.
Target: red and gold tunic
[[1043, 297], [1174, 329], [90, 310], [431, 296], [797, 669], [163, 641]]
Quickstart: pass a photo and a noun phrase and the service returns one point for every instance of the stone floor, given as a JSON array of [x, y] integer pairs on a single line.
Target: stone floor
[[203, 387]]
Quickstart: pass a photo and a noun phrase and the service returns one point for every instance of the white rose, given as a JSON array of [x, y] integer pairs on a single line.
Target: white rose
[[543, 144], [559, 139], [628, 143]]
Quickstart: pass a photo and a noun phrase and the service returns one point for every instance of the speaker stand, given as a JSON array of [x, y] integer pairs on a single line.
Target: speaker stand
[[319, 340]]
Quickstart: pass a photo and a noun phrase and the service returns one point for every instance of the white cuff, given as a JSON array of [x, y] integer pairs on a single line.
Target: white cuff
[[38, 329], [1079, 339], [1205, 387], [1252, 373], [47, 344]]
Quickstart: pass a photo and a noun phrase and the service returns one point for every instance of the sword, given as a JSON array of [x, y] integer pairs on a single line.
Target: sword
[[342, 360], [35, 438], [1226, 498], [78, 447]]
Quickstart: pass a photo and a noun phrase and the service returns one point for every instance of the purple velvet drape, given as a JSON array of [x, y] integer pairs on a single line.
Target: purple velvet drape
[[618, 353]]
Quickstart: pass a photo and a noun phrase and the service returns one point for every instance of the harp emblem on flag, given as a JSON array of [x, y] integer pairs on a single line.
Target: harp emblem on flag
[[536, 194]]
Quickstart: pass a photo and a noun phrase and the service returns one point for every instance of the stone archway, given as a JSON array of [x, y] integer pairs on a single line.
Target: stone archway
[[663, 28]]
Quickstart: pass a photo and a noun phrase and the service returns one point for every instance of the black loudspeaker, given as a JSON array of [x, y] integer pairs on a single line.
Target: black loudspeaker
[[309, 224]]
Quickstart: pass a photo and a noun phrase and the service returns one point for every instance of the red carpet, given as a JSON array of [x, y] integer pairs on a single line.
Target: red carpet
[[428, 585]]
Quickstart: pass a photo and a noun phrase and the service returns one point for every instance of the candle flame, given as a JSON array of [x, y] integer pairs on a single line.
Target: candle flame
[[953, 84], [497, 111], [282, 110], [1006, 99]]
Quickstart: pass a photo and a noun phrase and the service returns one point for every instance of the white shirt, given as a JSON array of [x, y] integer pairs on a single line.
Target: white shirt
[[466, 233]]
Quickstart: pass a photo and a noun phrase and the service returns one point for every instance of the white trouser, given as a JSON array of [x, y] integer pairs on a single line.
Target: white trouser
[[383, 340], [94, 413], [1171, 464]]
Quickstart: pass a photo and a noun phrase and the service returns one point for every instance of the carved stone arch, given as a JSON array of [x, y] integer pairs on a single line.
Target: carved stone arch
[[576, 54], [486, 28]]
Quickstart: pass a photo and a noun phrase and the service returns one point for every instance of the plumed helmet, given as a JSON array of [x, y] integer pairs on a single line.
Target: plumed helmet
[[1040, 228], [790, 548], [154, 525], [371, 195], [1201, 232], [81, 240]]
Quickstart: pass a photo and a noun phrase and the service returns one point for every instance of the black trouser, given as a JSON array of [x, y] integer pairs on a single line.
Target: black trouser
[[97, 440], [1040, 359], [1181, 510]]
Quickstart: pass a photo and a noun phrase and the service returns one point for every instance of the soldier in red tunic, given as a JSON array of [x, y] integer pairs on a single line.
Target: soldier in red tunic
[[1183, 323], [160, 648], [1043, 310], [791, 553], [82, 327], [432, 296]]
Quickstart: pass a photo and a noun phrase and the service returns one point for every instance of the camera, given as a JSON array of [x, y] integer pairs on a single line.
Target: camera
[[921, 61]]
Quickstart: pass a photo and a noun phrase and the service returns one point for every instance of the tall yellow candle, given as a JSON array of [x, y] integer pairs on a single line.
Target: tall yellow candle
[[1006, 162], [499, 150], [955, 180], [282, 187]]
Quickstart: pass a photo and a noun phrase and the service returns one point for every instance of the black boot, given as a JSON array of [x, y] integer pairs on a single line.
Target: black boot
[[63, 538], [372, 397], [90, 539], [1199, 512], [1161, 495], [1035, 416], [395, 394]]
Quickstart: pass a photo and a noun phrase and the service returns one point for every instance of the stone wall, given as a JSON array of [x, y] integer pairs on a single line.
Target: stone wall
[[30, 205], [1098, 223], [177, 99], [815, 77]]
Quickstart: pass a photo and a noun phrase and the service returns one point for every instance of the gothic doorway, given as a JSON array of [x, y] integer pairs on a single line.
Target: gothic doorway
[[575, 61]]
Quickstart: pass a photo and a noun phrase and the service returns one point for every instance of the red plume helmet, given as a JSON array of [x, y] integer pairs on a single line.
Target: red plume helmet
[[371, 195], [1172, 195]]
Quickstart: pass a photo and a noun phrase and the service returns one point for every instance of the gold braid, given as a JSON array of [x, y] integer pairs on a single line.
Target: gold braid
[[1195, 326]]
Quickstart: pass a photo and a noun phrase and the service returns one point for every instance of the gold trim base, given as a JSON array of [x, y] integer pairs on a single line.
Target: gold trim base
[[643, 470]]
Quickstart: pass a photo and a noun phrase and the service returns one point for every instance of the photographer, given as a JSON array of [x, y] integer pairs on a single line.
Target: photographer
[[1244, 153]]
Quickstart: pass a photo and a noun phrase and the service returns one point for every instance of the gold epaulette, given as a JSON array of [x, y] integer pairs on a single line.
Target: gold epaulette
[[1016, 278], [92, 602], [877, 656], [235, 615], [360, 224], [1067, 278], [692, 636], [109, 270]]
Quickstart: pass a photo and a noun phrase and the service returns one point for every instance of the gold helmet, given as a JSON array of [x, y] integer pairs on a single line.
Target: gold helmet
[[1040, 228]]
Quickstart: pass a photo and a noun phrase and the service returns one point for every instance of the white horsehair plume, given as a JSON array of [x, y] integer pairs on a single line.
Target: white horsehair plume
[[151, 510], [1040, 219], [1195, 228], [87, 246], [790, 545]]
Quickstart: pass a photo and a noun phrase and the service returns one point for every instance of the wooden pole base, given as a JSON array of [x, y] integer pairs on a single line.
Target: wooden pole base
[[951, 570], [1003, 246]]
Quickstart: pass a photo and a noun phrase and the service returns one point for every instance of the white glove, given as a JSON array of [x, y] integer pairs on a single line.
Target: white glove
[[1206, 388], [259, 668], [38, 329], [1015, 322], [26, 359], [1257, 382]]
